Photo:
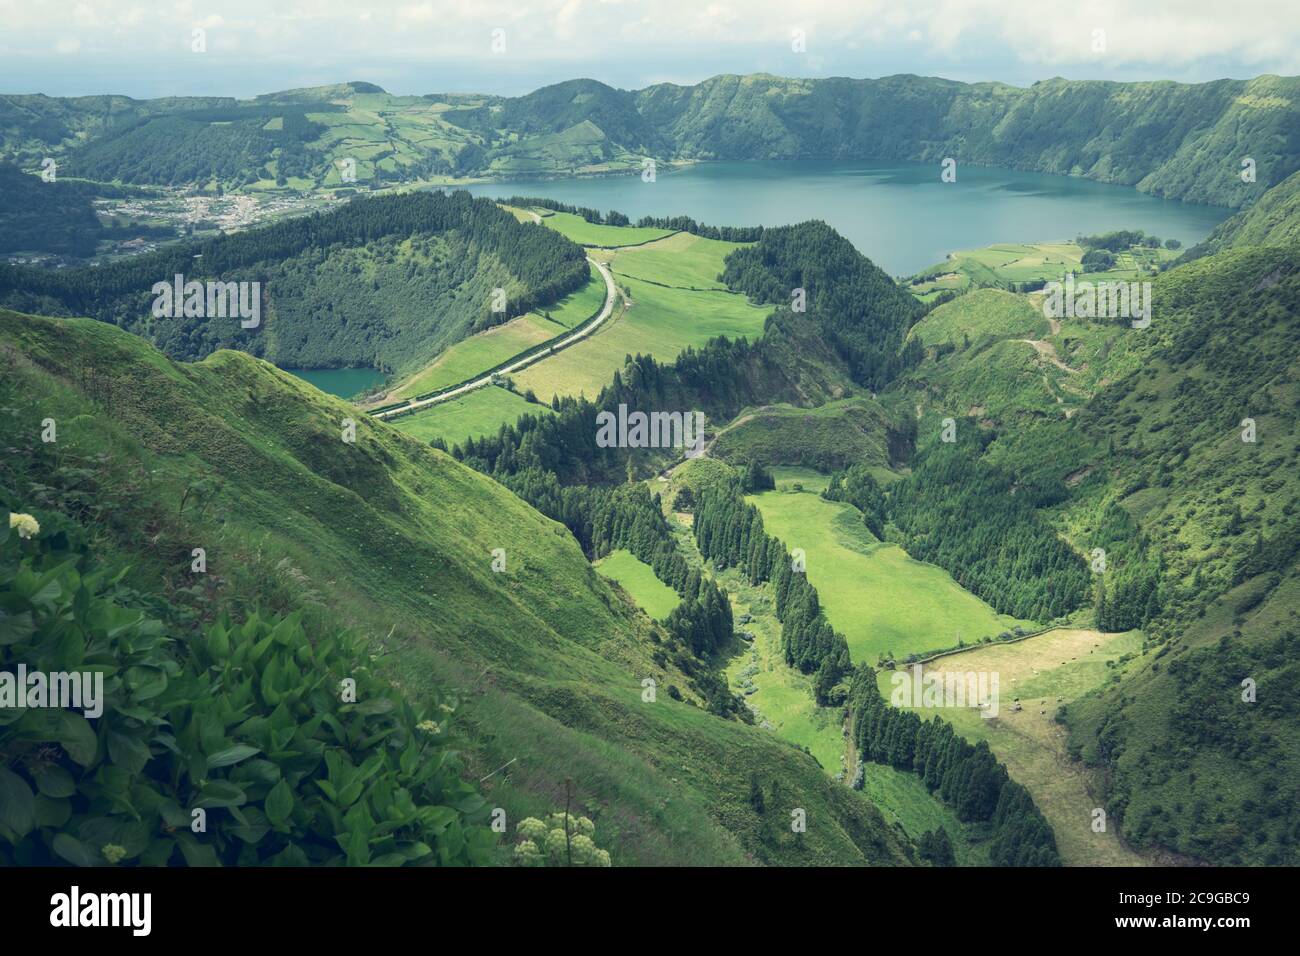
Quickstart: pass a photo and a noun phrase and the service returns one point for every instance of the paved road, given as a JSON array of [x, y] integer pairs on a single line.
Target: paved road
[[611, 293]]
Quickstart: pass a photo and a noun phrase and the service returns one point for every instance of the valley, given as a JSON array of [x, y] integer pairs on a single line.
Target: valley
[[910, 459]]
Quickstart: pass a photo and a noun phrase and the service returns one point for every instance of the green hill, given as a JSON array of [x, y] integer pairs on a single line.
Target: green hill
[[829, 437], [1146, 461], [385, 282], [395, 540], [1273, 221]]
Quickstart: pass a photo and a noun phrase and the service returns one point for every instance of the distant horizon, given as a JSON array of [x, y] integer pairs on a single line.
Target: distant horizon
[[90, 47], [388, 90]]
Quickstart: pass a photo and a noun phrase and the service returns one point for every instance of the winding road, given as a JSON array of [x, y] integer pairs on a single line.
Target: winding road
[[611, 295]]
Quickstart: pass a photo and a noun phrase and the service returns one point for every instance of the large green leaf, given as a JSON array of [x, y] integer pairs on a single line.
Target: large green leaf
[[231, 755], [279, 803], [17, 803]]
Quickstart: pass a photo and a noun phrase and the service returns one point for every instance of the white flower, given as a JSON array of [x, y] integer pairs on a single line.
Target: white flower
[[26, 525]]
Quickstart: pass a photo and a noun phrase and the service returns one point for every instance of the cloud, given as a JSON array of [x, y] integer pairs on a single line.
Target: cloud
[[1045, 35]]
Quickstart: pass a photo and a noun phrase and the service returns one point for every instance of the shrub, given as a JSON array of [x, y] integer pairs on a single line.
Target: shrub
[[237, 747]]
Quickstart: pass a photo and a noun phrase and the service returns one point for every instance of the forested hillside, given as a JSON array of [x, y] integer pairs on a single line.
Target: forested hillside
[[857, 307], [1181, 141], [47, 217], [1273, 221], [386, 282]]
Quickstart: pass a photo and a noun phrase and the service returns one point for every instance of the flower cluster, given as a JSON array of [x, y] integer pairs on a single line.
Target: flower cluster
[[26, 525], [549, 844]]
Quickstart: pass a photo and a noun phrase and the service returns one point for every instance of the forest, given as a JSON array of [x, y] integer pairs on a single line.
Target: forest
[[863, 314], [346, 259], [957, 510]]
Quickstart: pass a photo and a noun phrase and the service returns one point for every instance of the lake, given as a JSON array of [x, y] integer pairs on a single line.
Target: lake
[[901, 216], [343, 382]]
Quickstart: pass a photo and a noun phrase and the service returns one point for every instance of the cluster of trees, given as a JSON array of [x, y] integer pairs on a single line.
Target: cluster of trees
[[974, 520], [1122, 240], [730, 533], [856, 486], [545, 265], [968, 777], [1211, 724], [611, 218], [687, 224], [1128, 592], [861, 312], [605, 517]]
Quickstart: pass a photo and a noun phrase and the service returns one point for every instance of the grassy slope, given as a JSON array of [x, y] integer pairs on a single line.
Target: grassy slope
[[980, 313], [883, 601], [1181, 470], [476, 354], [638, 579], [593, 234], [1156, 430], [828, 437], [1272, 221], [661, 320], [393, 538], [658, 321], [1045, 673], [471, 415]]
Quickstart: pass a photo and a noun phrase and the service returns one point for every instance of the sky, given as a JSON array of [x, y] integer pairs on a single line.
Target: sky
[[65, 48]]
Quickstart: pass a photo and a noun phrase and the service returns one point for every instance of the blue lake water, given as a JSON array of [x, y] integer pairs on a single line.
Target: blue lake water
[[343, 382], [902, 216]]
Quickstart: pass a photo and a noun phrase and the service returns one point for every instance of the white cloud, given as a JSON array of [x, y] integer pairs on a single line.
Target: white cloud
[[1051, 34]]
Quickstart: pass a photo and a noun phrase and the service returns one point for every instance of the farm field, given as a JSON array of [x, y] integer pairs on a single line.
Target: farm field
[[472, 415], [782, 699], [594, 234], [638, 579], [656, 321], [1045, 673], [682, 260], [1027, 262], [478, 353], [884, 602], [659, 318]]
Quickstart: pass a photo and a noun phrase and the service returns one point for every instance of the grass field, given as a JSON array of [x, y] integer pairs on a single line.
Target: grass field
[[787, 476], [658, 321], [979, 314], [474, 414], [593, 234], [1045, 673], [638, 579], [883, 601], [782, 698], [478, 353], [831, 437], [1027, 262], [681, 260], [903, 799]]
